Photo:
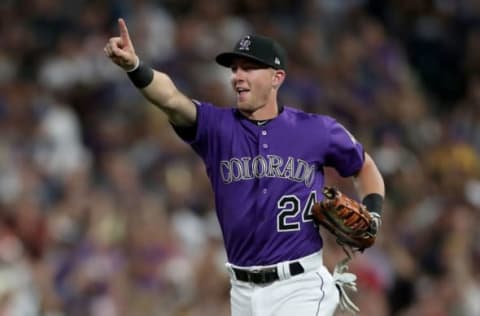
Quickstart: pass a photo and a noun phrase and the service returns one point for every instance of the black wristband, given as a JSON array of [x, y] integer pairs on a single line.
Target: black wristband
[[374, 203], [142, 76]]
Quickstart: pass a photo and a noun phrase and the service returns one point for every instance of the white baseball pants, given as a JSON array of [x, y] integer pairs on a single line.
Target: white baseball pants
[[311, 293]]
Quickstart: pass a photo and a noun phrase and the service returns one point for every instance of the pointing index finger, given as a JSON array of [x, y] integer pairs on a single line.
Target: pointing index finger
[[124, 31]]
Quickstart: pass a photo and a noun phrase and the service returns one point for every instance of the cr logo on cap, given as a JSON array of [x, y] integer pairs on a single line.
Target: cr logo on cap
[[244, 44]]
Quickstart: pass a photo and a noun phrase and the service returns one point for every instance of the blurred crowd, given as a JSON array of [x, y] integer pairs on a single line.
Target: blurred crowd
[[105, 212]]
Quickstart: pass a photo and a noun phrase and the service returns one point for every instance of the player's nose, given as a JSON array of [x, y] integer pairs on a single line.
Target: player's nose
[[238, 75]]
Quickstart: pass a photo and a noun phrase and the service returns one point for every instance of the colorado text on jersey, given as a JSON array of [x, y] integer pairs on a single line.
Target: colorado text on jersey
[[272, 166]]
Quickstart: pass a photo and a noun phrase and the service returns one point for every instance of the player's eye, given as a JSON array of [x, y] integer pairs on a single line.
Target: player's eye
[[255, 66], [247, 67]]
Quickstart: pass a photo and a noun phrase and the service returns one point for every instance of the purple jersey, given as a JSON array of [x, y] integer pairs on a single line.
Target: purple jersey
[[266, 178]]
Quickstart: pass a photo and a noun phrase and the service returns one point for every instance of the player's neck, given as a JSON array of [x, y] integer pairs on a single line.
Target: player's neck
[[265, 113]]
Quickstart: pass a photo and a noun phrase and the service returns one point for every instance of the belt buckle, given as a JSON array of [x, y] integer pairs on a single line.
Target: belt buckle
[[256, 276]]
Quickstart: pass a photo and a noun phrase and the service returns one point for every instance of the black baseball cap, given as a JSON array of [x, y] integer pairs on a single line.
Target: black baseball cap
[[258, 48]]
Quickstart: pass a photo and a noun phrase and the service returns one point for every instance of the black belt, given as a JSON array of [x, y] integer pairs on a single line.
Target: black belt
[[267, 275]]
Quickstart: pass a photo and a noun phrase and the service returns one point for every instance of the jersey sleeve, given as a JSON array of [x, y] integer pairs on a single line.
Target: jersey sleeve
[[344, 152], [197, 136]]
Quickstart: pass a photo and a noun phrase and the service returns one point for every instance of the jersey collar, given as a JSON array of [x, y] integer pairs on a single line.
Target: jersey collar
[[260, 122]]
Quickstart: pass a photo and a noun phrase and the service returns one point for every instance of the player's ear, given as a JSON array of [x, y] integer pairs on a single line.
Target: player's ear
[[278, 77]]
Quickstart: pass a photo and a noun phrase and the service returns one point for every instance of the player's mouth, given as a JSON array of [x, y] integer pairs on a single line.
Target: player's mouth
[[242, 92]]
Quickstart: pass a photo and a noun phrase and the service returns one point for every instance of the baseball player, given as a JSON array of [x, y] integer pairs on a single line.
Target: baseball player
[[265, 164]]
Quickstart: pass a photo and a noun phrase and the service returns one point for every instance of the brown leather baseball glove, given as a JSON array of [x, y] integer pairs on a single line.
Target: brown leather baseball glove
[[348, 220]]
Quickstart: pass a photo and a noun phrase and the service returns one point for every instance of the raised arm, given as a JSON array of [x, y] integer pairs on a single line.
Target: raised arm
[[156, 86]]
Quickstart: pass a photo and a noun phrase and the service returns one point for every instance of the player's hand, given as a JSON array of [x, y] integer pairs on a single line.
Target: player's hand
[[120, 49]]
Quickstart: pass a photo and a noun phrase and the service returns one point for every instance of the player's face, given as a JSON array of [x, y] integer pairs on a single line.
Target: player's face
[[254, 85]]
